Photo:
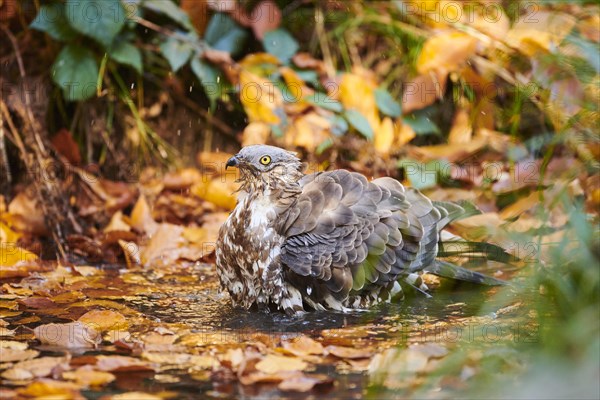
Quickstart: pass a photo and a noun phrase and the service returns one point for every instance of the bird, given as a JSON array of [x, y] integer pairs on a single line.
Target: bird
[[329, 240]]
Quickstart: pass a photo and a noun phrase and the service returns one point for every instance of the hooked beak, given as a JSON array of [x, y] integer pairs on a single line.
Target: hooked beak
[[232, 162]]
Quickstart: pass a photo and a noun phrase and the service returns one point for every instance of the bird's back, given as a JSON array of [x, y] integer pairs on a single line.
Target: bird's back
[[348, 240]]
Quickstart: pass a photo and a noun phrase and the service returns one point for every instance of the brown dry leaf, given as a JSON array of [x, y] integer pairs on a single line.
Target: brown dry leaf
[[198, 12], [87, 377], [164, 246], [265, 17], [117, 223], [181, 179], [71, 335], [272, 364], [349, 352], [5, 332], [304, 383], [38, 367], [520, 206], [135, 395], [445, 52], [493, 23], [305, 60], [121, 363], [541, 31], [104, 320], [461, 131], [26, 215], [302, 346], [590, 28], [450, 152], [64, 144], [141, 217], [49, 388], [424, 90], [262, 101], [255, 133]]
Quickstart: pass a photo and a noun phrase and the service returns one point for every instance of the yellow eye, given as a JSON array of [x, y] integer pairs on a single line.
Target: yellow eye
[[265, 160]]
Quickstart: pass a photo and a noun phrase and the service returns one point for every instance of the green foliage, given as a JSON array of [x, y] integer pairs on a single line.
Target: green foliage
[[387, 104], [99, 20], [52, 20], [127, 54], [360, 123], [281, 44], [209, 78], [75, 71], [176, 51], [224, 34]]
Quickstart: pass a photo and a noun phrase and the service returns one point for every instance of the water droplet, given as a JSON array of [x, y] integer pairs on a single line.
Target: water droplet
[[132, 85]]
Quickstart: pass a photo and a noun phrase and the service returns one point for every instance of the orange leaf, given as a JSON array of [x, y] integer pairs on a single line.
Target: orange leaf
[[446, 52]]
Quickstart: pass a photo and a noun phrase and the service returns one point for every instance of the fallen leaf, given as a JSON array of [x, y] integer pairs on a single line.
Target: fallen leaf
[[461, 131], [135, 395], [541, 31], [121, 363], [104, 320], [26, 215], [349, 352], [302, 346], [87, 377], [38, 367], [262, 100], [304, 383], [141, 217], [423, 91], [71, 335], [49, 388], [384, 136], [117, 223], [273, 363], [12, 355], [445, 52]]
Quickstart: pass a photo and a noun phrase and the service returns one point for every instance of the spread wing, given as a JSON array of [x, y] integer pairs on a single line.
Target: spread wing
[[348, 234]]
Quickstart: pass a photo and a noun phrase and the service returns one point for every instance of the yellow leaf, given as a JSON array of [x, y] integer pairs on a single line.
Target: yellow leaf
[[88, 377], [256, 133], [308, 131], [141, 217], [357, 92], [461, 131], [7, 235], [254, 59], [445, 52], [541, 31], [272, 364], [405, 134], [384, 136], [11, 255], [104, 320], [220, 191], [260, 98]]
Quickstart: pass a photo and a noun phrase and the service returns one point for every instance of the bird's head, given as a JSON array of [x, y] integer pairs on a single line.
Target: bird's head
[[267, 165]]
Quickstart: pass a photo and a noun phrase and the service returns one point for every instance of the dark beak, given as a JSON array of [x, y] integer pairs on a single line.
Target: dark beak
[[232, 162]]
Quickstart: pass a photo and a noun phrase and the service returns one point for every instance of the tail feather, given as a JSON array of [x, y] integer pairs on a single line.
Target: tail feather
[[451, 271]]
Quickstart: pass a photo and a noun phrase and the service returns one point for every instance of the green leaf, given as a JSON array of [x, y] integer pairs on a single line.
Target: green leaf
[[209, 78], [386, 103], [339, 125], [176, 51], [223, 33], [170, 9], [327, 143], [75, 71], [422, 125], [52, 20], [128, 54], [100, 20], [324, 101], [360, 123], [281, 44]]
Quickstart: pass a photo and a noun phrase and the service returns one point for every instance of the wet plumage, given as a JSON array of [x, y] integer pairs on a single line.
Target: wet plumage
[[328, 240]]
